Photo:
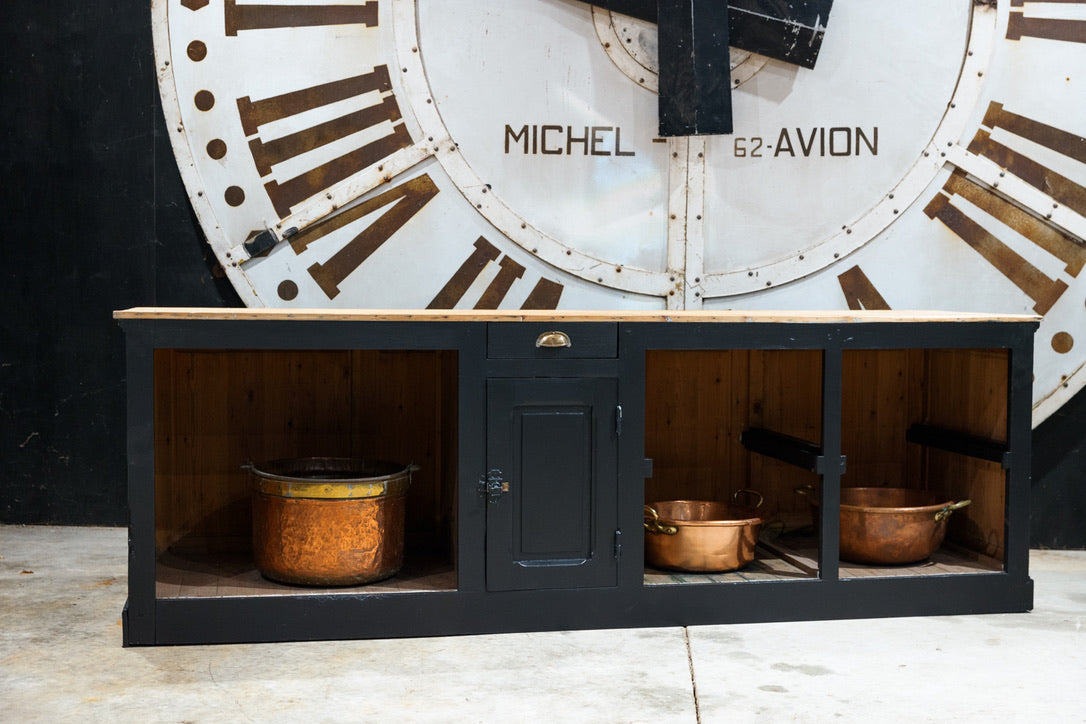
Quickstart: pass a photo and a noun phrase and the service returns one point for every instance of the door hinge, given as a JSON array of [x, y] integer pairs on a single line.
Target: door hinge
[[618, 544], [491, 486], [618, 420]]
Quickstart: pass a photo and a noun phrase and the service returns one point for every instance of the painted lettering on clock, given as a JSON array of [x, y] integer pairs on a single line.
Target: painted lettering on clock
[[548, 139], [816, 142], [836, 141]]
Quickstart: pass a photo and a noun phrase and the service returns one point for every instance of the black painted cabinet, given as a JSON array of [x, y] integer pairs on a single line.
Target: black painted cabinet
[[552, 510], [541, 435]]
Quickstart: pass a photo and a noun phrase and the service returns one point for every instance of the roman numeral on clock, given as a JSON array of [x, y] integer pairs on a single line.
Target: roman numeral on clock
[[1019, 25], [544, 295], [1004, 184], [859, 292], [265, 17], [401, 203], [382, 121], [406, 200]]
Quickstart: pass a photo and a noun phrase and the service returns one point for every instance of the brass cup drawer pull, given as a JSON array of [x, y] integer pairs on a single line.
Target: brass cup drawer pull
[[553, 339]]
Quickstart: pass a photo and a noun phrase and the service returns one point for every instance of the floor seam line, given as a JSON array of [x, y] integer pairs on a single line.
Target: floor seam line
[[693, 678]]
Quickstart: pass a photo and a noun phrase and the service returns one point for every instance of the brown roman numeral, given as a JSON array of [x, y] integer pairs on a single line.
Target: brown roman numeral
[[1019, 26], [544, 295], [406, 199], [859, 291], [1043, 290], [266, 17], [268, 153]]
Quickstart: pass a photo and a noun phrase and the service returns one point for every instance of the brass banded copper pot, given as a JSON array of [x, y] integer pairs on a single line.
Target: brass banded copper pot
[[701, 535], [890, 525], [328, 521]]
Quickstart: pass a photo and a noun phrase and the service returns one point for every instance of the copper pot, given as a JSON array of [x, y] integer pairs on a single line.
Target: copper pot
[[891, 525], [328, 521], [701, 535]]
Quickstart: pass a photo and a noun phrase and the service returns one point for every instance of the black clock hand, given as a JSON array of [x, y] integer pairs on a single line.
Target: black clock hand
[[788, 30], [695, 70]]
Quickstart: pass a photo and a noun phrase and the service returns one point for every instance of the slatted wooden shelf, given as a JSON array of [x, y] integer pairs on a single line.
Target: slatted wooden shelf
[[766, 566], [802, 552], [224, 575]]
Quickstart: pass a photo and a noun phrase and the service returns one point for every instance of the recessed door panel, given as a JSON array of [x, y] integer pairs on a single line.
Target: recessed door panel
[[551, 520]]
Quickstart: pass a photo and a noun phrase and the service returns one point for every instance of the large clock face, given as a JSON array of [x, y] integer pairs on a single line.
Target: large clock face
[[504, 153]]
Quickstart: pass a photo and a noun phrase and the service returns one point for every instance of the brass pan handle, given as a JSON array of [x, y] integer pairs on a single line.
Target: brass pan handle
[[553, 339], [754, 493], [945, 512], [655, 526]]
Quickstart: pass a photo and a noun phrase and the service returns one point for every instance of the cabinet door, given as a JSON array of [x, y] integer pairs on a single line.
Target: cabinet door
[[552, 449]]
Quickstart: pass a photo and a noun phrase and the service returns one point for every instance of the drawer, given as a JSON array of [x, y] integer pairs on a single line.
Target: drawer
[[532, 340]]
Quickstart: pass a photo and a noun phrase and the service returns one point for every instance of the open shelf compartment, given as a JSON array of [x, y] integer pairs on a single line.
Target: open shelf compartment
[[930, 419], [215, 410], [710, 415]]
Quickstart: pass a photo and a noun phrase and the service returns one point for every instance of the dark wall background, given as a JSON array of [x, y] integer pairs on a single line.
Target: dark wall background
[[95, 218]]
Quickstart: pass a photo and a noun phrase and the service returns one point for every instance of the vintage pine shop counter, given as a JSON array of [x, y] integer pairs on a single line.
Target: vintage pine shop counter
[[535, 461]]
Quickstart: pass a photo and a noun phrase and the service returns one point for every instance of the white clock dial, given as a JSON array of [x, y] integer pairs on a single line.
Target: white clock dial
[[503, 153]]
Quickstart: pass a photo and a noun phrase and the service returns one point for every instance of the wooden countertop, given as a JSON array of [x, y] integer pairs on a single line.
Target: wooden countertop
[[474, 315]]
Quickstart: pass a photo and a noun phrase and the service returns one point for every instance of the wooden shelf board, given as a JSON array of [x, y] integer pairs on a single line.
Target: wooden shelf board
[[471, 315], [225, 575], [766, 566], [802, 552]]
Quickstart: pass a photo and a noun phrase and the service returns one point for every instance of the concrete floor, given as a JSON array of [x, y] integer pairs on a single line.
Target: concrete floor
[[61, 660]]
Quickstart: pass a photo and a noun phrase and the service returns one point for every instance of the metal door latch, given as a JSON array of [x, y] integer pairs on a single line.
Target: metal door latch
[[492, 486]]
